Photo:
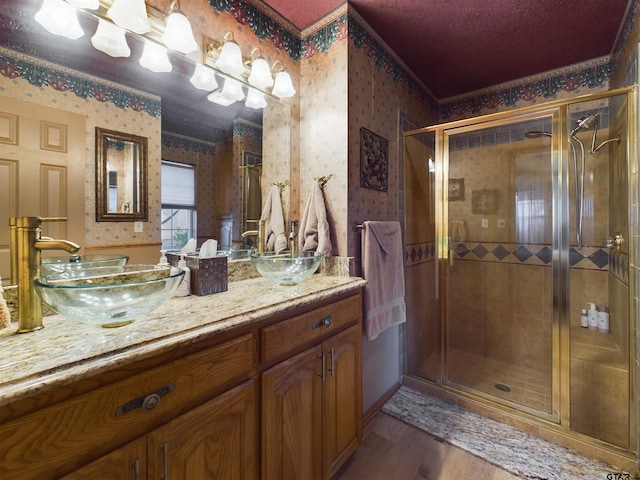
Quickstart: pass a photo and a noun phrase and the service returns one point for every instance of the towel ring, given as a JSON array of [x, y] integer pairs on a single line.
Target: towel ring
[[281, 185], [322, 181]]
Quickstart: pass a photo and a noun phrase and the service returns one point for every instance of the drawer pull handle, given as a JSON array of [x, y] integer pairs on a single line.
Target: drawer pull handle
[[165, 461], [135, 466], [324, 322], [147, 402]]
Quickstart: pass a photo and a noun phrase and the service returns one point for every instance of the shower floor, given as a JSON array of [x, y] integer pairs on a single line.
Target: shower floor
[[524, 386]]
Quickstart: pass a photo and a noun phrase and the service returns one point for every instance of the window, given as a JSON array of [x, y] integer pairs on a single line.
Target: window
[[178, 223]]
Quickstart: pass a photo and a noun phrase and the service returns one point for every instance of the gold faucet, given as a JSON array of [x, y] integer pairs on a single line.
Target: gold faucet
[[26, 244], [257, 233]]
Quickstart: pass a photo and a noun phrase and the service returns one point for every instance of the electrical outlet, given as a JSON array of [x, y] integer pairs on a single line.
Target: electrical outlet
[[501, 223], [138, 227], [485, 223]]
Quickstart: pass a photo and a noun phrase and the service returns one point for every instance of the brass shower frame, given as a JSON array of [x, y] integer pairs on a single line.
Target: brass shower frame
[[558, 110]]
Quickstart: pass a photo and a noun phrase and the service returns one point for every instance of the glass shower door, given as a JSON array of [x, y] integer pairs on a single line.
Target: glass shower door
[[499, 280]]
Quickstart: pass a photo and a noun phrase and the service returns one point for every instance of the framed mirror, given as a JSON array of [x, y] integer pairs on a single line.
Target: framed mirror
[[121, 177]]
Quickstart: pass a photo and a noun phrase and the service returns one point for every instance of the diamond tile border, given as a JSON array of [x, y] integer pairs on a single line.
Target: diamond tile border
[[589, 258]]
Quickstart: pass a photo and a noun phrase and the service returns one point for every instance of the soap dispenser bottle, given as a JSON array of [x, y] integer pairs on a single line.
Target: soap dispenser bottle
[[593, 317], [163, 258], [184, 288]]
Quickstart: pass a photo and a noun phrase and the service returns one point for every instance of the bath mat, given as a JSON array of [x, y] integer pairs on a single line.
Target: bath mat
[[517, 452]]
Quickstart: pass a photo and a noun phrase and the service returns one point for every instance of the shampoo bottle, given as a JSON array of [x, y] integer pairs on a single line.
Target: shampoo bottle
[[603, 319], [584, 318], [184, 288], [593, 317]]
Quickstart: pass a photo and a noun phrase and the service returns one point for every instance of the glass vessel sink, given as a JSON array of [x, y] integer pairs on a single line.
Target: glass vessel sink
[[239, 254], [284, 269], [51, 265], [110, 296]]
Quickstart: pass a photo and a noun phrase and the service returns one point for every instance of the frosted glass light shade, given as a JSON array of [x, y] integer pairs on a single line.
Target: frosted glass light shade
[[88, 4], [220, 99], [155, 58], [260, 75], [130, 14], [255, 99], [59, 18], [283, 86], [230, 59], [233, 90], [178, 34], [110, 39], [204, 78]]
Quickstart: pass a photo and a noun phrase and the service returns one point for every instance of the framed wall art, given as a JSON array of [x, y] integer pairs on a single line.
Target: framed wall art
[[374, 161], [456, 189]]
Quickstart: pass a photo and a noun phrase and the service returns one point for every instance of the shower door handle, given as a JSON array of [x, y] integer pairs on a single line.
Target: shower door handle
[[614, 242]]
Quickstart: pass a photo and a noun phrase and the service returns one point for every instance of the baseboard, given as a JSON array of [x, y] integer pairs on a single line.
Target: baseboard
[[373, 410]]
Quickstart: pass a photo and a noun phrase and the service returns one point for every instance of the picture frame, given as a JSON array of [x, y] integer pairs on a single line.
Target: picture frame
[[374, 161], [485, 202], [456, 189]]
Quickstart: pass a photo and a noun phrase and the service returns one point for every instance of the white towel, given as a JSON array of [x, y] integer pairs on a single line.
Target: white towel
[[383, 268], [314, 233], [274, 237]]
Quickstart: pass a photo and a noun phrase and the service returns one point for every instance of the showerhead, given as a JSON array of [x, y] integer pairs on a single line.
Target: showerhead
[[537, 134], [585, 123]]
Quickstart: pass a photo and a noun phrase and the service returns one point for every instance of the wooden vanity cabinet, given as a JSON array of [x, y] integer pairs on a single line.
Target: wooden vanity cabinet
[[280, 398], [215, 440], [312, 401]]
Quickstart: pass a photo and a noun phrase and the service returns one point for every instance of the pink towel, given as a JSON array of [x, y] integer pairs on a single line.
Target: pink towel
[[314, 228], [383, 268], [272, 214]]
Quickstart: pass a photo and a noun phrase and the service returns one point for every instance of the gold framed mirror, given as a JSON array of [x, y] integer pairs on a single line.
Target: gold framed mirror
[[121, 177]]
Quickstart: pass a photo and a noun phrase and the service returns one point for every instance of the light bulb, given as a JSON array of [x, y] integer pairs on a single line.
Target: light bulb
[[130, 14], [155, 58], [283, 86], [110, 39], [255, 99], [260, 75], [59, 18], [178, 34], [204, 78]]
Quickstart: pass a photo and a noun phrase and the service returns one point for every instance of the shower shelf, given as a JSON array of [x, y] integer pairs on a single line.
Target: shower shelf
[[592, 346]]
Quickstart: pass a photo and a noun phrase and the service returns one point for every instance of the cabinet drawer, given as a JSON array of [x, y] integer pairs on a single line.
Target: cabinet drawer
[[72, 433], [288, 335]]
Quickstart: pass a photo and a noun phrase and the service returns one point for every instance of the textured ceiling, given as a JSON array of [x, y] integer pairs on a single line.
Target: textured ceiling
[[459, 46]]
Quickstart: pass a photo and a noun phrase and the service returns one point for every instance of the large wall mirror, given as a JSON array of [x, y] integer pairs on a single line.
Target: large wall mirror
[[186, 115], [121, 176]]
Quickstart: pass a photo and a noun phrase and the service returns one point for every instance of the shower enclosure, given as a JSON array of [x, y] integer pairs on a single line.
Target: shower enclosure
[[514, 223]]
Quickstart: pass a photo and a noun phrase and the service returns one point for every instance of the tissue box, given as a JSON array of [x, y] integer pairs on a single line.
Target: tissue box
[[208, 275]]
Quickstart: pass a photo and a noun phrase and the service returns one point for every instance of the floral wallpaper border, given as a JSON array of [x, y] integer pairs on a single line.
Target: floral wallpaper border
[[42, 74], [241, 129], [187, 144]]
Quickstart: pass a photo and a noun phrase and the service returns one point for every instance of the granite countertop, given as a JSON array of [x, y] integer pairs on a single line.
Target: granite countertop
[[66, 351]]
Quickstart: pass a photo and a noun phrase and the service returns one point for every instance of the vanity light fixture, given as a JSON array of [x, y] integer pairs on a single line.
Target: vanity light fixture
[[110, 39], [155, 57], [232, 90], [220, 99], [178, 34], [88, 4], [130, 15], [59, 18], [260, 75], [255, 99], [204, 78], [230, 59], [283, 86]]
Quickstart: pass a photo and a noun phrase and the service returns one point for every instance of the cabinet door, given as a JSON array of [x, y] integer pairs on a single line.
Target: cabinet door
[[292, 418], [342, 398], [217, 440], [125, 463]]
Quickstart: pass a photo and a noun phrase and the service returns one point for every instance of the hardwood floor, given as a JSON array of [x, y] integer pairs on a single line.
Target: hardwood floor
[[392, 450]]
